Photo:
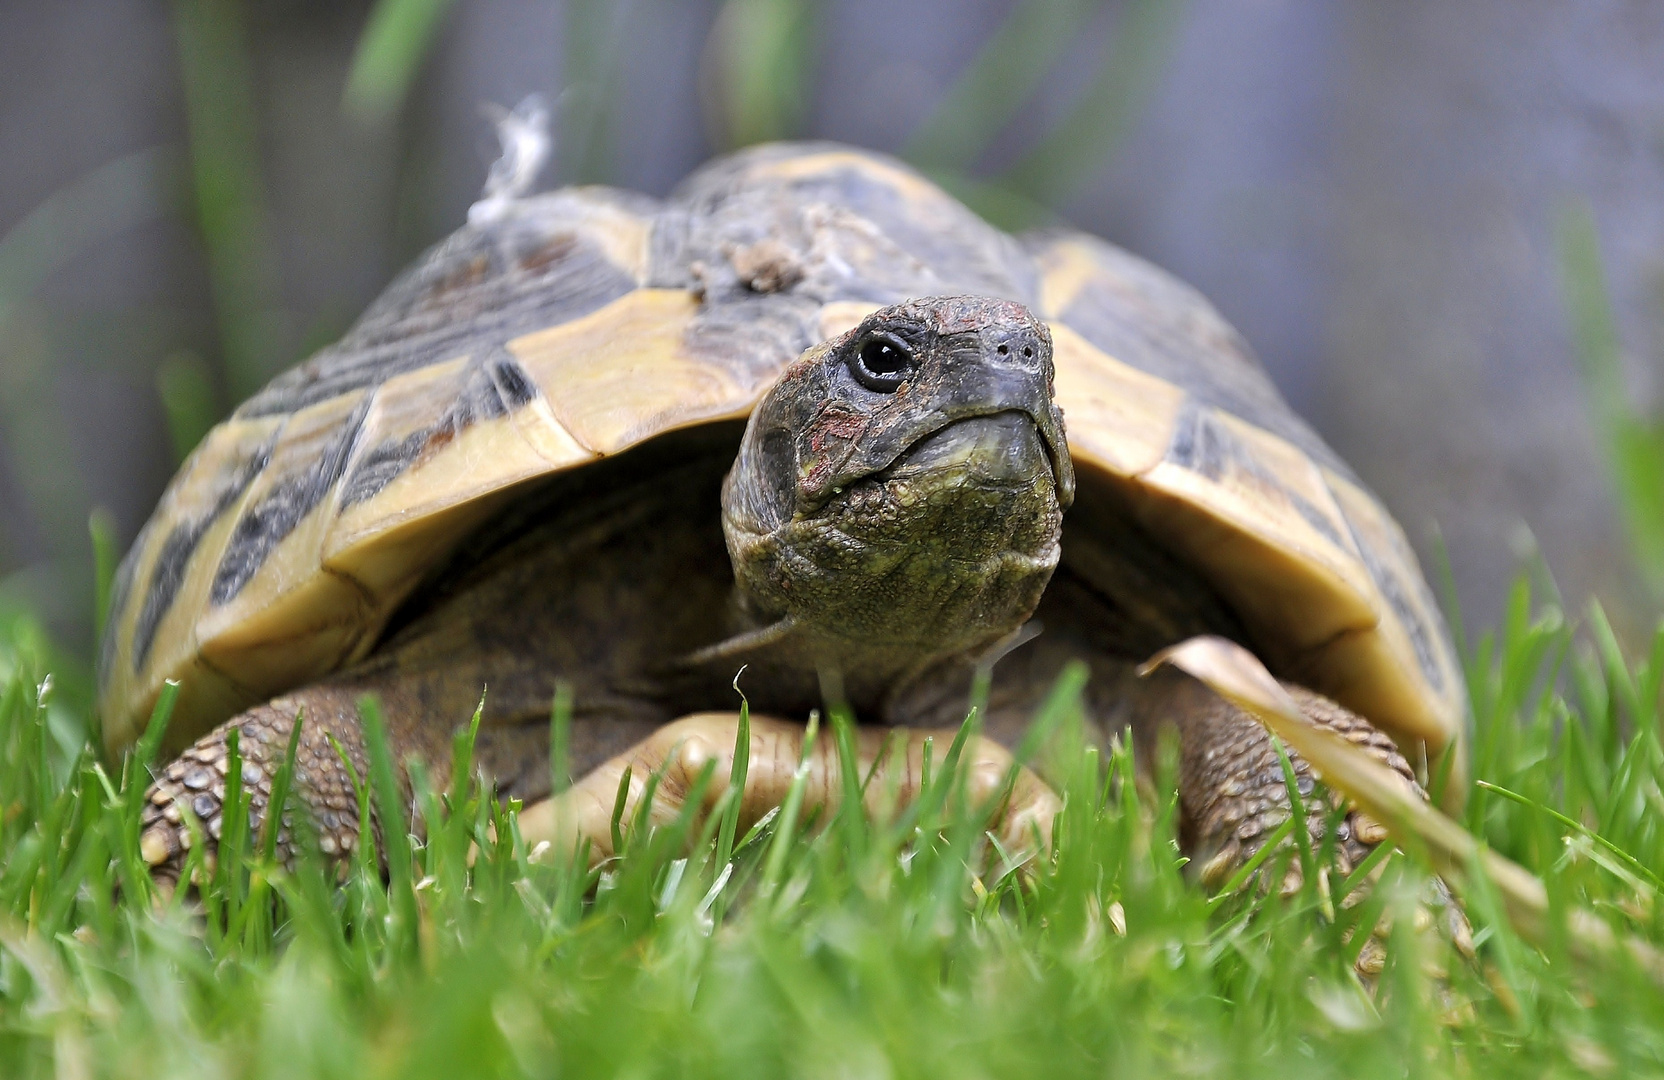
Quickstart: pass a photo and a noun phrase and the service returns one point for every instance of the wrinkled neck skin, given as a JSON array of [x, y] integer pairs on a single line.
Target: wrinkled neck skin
[[878, 538]]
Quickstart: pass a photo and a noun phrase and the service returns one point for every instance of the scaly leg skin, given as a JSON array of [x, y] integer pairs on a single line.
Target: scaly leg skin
[[322, 782], [1231, 784], [1234, 796], [683, 748]]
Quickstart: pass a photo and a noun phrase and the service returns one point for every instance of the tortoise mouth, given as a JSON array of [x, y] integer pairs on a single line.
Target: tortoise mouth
[[988, 480], [999, 449], [1002, 447]]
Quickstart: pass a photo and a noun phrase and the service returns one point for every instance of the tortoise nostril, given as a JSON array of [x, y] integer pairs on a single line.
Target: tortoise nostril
[[1004, 349], [1028, 350]]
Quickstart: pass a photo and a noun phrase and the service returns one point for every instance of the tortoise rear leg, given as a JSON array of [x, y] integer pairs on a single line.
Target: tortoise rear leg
[[683, 748], [1232, 792], [1233, 795]]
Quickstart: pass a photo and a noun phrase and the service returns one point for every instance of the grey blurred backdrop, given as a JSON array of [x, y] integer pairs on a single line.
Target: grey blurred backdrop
[[1378, 195]]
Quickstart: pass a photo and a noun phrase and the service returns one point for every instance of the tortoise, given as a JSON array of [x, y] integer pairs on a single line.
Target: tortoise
[[804, 416]]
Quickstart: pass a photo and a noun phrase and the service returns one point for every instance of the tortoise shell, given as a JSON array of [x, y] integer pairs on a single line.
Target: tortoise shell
[[582, 322]]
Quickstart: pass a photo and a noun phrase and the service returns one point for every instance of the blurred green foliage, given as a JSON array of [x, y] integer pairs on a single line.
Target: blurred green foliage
[[1632, 440], [759, 71], [1008, 72], [110, 199], [185, 385], [107, 200], [1077, 146], [593, 74], [229, 192], [389, 54]]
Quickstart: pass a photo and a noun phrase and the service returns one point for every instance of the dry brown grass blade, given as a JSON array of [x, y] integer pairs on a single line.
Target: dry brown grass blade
[[1236, 674]]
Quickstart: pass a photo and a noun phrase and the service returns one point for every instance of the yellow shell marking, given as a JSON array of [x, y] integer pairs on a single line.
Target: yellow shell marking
[[842, 316], [620, 375], [625, 238], [1118, 418], [1275, 534], [1413, 640], [1065, 269], [455, 469], [817, 166]]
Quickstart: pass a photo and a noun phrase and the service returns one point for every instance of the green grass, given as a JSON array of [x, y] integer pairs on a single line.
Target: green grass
[[804, 947], [840, 946]]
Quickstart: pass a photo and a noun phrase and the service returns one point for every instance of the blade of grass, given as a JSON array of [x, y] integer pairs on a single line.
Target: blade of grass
[[1251, 864], [758, 70], [1501, 942], [392, 810], [785, 833], [1100, 120], [1014, 62], [618, 803], [1297, 813], [277, 804], [233, 827], [1361, 872], [150, 743], [101, 527], [851, 813], [736, 782], [397, 37], [1061, 705], [1634, 444], [462, 756], [560, 739], [229, 191], [186, 389], [1633, 864]]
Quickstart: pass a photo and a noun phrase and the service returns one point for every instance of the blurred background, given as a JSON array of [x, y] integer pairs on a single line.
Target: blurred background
[[1441, 224]]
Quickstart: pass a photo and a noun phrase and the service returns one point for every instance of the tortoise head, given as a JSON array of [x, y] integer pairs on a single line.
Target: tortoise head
[[899, 493]]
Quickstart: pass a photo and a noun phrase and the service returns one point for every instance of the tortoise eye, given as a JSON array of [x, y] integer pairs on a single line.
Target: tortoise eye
[[882, 363]]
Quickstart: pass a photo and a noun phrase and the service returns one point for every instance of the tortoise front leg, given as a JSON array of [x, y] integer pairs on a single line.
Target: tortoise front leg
[[1233, 794], [323, 783], [683, 748]]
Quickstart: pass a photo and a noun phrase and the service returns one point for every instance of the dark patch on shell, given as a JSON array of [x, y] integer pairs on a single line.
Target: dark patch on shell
[[491, 389], [1205, 446], [265, 525], [514, 387], [380, 465], [169, 572], [932, 245], [121, 589]]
